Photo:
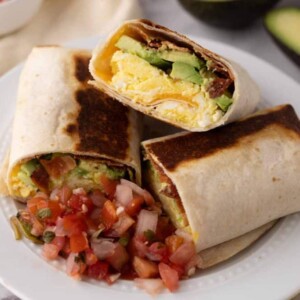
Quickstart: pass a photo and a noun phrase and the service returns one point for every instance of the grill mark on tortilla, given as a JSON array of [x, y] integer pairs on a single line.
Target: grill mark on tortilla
[[71, 129], [82, 72], [175, 151], [102, 124]]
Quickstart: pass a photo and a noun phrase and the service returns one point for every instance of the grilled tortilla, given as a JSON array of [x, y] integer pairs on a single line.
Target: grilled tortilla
[[66, 131], [165, 75], [231, 180]]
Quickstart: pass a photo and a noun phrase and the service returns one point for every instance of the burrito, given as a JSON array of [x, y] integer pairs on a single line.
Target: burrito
[[165, 75], [231, 180], [65, 131]]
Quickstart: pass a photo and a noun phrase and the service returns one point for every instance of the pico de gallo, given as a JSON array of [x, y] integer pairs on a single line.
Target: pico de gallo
[[117, 232]]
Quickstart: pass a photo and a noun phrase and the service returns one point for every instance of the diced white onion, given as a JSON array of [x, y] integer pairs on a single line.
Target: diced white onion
[[147, 220], [124, 194], [103, 248], [151, 286]]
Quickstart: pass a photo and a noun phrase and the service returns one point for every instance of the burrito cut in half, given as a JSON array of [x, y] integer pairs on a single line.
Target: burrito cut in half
[[231, 180], [65, 131], [166, 75]]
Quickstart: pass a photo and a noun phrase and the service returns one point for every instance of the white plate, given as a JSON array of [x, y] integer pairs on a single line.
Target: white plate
[[267, 270]]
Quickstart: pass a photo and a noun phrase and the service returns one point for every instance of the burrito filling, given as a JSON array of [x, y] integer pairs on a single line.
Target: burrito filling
[[161, 186], [180, 85], [48, 172], [115, 231]]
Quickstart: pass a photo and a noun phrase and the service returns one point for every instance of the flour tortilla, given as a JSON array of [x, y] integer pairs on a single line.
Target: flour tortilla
[[59, 112], [246, 93], [235, 178]]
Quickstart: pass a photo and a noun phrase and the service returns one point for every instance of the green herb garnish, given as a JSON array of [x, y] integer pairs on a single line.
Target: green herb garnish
[[48, 236], [149, 235], [44, 213], [124, 241]]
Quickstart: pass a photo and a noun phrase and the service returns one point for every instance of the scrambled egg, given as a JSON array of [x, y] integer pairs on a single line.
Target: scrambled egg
[[176, 100], [21, 184]]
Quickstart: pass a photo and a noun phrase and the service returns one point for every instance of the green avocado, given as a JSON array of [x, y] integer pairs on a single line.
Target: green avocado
[[159, 58], [29, 167], [133, 46], [283, 24], [223, 102], [185, 72], [184, 57], [234, 14]]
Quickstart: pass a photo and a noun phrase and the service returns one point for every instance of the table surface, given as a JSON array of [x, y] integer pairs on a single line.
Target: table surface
[[254, 39]]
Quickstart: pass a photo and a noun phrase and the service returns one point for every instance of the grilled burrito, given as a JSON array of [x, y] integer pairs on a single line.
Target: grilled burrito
[[65, 131], [165, 75], [231, 180]]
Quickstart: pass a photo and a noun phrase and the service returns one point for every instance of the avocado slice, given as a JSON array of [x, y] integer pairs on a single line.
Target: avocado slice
[[133, 46], [234, 14], [185, 72], [223, 102], [283, 24], [184, 57], [161, 59]]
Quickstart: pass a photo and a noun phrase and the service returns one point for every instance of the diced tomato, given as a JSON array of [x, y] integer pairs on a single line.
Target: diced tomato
[[108, 214], [56, 210], [137, 247], [122, 225], [109, 186], [36, 203], [50, 251], [37, 227], [135, 205], [80, 203], [99, 270], [169, 277], [64, 194], [157, 251], [180, 269], [59, 241], [66, 250], [183, 254], [74, 224], [173, 242], [75, 267], [148, 198], [119, 258], [144, 268], [90, 257], [164, 228], [78, 242]]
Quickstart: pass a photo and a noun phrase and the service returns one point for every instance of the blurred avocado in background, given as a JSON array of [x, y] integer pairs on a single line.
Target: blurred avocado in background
[[233, 14], [283, 24]]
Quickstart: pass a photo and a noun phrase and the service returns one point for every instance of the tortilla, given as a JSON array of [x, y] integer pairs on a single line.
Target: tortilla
[[169, 108], [59, 112], [231, 180]]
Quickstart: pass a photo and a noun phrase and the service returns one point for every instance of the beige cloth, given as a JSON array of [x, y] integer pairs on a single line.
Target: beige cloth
[[59, 21]]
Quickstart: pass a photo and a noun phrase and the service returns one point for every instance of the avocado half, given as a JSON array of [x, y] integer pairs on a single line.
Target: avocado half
[[234, 14], [283, 24]]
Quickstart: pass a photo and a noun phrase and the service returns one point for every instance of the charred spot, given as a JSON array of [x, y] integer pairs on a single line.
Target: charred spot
[[71, 129], [82, 72], [174, 151], [102, 124]]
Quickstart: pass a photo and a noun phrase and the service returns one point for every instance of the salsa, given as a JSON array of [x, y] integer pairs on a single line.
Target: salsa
[[117, 232]]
